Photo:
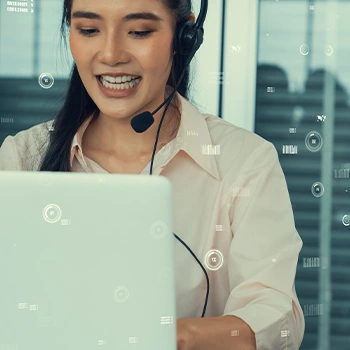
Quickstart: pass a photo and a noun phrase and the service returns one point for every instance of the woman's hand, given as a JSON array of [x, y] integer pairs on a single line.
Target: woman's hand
[[185, 334], [214, 333]]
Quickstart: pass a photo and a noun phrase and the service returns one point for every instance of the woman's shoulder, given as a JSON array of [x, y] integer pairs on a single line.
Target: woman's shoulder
[[24, 150], [232, 136], [237, 146]]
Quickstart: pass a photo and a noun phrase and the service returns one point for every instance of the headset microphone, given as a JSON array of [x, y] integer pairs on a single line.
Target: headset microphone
[[142, 122], [188, 39]]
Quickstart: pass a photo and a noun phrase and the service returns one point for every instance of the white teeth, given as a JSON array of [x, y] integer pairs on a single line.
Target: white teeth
[[123, 86], [113, 80]]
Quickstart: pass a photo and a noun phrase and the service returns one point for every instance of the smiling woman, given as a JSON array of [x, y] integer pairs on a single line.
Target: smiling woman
[[230, 200], [124, 64]]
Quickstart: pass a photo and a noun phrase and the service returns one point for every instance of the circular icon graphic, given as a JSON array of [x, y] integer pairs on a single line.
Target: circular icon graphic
[[159, 229], [165, 150], [46, 179], [52, 213], [298, 113], [304, 50], [214, 259], [121, 294], [179, 139], [328, 50], [313, 141], [317, 189], [46, 80], [346, 220]]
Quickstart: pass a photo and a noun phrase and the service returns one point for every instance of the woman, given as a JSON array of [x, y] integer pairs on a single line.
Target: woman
[[241, 222]]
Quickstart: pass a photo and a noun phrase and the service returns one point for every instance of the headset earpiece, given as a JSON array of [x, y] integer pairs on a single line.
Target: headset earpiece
[[188, 36]]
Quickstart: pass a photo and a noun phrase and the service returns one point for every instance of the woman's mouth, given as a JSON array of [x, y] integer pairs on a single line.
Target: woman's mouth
[[120, 83]]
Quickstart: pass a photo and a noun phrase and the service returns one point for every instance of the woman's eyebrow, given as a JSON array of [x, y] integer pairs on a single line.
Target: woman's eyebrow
[[130, 17]]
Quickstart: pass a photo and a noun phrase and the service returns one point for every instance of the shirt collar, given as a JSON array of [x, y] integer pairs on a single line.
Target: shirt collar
[[193, 135]]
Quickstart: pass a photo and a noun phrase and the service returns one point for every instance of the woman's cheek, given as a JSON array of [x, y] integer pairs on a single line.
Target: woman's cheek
[[164, 48], [72, 45], [77, 47]]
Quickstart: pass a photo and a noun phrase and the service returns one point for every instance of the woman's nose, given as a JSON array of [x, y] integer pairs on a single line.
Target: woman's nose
[[113, 51]]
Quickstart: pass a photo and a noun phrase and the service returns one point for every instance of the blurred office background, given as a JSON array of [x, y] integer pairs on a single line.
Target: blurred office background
[[279, 68]]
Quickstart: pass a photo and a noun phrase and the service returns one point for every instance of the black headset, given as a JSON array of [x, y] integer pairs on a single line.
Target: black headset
[[188, 39], [189, 36]]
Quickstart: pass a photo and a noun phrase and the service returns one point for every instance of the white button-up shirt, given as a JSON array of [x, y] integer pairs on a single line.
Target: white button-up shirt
[[231, 207]]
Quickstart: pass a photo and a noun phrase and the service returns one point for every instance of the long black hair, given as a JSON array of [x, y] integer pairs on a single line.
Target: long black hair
[[78, 105]]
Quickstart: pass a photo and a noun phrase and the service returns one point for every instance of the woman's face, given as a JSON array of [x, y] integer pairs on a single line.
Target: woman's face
[[103, 40]]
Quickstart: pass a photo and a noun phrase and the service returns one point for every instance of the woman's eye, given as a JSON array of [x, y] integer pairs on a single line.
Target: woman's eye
[[87, 32], [92, 32], [142, 34]]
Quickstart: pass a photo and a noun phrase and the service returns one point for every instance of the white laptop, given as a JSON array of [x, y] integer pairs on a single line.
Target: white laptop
[[86, 262]]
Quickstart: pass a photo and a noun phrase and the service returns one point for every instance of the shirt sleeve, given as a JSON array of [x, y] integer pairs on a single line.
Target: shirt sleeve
[[264, 254], [8, 155]]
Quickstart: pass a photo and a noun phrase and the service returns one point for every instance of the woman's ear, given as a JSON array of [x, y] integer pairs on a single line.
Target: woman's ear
[[192, 17]]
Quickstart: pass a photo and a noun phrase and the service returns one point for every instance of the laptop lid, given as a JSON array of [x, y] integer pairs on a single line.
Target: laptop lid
[[86, 261]]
